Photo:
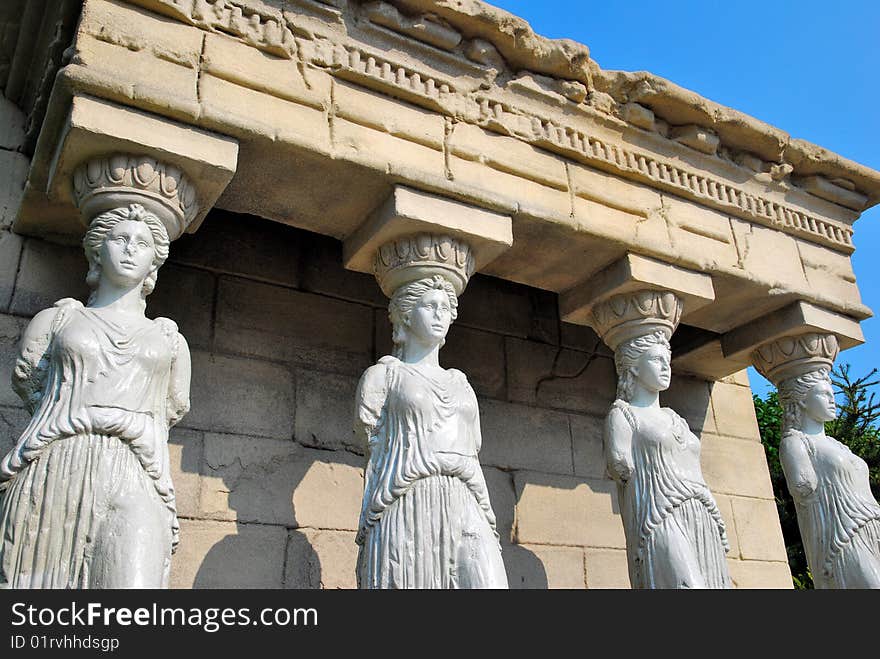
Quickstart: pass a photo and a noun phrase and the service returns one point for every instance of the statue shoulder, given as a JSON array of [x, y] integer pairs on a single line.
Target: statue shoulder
[[620, 415], [168, 326], [374, 377], [45, 321]]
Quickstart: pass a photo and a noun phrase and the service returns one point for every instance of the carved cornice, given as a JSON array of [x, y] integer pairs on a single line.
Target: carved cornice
[[792, 356], [626, 316], [569, 133], [409, 258], [102, 184]]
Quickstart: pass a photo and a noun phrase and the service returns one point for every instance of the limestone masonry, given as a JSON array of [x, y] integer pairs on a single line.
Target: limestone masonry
[[289, 147]]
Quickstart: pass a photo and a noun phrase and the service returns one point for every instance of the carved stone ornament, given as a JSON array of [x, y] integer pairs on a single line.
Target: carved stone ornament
[[792, 356], [623, 317], [426, 519], [115, 181], [838, 516], [88, 500], [409, 258]]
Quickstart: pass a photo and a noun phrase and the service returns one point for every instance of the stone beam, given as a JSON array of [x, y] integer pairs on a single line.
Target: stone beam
[[95, 129], [409, 212], [633, 273], [716, 356]]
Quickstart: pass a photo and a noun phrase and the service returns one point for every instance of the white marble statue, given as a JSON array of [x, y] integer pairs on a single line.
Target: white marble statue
[[426, 519], [88, 500], [674, 532], [838, 516]]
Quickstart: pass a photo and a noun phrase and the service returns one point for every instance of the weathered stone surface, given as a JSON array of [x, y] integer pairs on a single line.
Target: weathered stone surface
[[240, 396], [14, 166], [186, 296], [186, 454], [13, 421], [324, 411], [507, 308], [606, 568], [759, 574], [243, 245], [503, 498], [726, 508], [757, 528], [321, 559], [587, 445], [276, 323], [735, 466], [522, 437], [12, 125], [47, 273], [11, 329], [734, 411], [540, 566], [10, 251], [279, 482], [228, 555], [690, 397], [828, 271], [377, 111], [322, 272], [561, 510], [702, 234], [539, 374], [480, 355], [248, 113], [583, 338]]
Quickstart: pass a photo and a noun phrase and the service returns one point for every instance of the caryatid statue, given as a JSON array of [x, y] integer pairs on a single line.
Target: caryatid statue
[[838, 516], [88, 500], [675, 535], [426, 519]]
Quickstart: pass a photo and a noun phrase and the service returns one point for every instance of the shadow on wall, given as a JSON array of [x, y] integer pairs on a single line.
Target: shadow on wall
[[278, 494], [294, 511]]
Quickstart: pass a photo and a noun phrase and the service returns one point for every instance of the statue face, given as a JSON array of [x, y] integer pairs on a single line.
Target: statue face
[[127, 253], [819, 402], [431, 317], [652, 370]]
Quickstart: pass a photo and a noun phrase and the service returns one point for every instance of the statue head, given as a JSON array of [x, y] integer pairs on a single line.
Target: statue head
[[128, 245], [423, 309], [808, 396], [643, 360]]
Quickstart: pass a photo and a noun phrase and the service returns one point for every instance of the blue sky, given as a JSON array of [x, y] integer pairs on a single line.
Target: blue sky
[[807, 67]]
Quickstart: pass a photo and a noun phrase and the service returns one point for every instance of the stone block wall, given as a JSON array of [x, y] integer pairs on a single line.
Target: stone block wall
[[268, 473]]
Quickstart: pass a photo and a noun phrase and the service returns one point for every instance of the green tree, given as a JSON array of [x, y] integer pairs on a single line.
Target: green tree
[[855, 426]]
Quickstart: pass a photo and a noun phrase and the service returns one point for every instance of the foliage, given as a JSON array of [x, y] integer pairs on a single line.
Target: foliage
[[855, 426]]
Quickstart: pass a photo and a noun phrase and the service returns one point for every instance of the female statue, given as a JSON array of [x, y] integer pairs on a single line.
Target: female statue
[[426, 520], [837, 513], [674, 532], [88, 500]]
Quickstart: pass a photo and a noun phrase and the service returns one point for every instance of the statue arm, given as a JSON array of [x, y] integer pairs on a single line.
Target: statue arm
[[370, 399], [800, 475], [179, 384], [618, 446], [31, 366]]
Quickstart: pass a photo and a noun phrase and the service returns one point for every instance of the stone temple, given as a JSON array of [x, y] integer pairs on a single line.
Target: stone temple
[[285, 142]]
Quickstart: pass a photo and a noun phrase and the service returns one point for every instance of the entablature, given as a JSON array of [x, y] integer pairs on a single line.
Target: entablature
[[333, 103]]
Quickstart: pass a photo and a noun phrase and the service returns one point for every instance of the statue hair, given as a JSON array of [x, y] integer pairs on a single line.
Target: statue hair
[[404, 301], [627, 356], [101, 225], [792, 393]]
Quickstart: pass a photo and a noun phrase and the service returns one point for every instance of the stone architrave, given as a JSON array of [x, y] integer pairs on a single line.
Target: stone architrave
[[426, 519], [838, 516], [675, 535], [88, 499]]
